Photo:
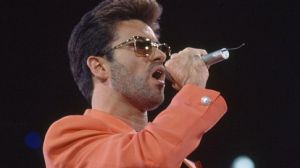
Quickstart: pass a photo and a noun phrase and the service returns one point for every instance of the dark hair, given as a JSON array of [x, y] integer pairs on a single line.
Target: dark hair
[[94, 34]]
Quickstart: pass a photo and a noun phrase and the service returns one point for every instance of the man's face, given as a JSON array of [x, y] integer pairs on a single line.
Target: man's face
[[132, 76]]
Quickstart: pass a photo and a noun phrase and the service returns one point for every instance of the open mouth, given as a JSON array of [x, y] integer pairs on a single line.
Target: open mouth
[[159, 74]]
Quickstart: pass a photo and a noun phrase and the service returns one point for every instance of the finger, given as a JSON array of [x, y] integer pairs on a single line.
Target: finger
[[201, 52], [176, 86], [174, 55]]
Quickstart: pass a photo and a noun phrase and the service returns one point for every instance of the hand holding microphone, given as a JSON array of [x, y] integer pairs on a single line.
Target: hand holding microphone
[[185, 67]]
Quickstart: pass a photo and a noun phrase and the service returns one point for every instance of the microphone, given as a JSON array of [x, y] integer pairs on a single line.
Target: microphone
[[218, 55], [215, 56]]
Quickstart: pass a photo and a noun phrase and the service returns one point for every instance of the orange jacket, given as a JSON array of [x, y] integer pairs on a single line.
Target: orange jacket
[[100, 140]]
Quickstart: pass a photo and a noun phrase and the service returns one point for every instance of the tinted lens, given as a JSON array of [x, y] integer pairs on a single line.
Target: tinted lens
[[143, 46], [165, 48]]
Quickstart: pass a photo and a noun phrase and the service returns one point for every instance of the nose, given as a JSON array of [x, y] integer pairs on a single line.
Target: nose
[[158, 55]]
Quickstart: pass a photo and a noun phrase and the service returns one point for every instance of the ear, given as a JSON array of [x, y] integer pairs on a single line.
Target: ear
[[98, 67]]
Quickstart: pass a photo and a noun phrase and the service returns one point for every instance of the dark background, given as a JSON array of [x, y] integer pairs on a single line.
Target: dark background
[[260, 81]]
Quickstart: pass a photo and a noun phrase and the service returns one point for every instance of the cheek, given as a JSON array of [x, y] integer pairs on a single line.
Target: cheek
[[138, 69], [136, 66]]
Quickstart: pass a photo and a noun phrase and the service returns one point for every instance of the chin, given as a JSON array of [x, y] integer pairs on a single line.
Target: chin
[[155, 104]]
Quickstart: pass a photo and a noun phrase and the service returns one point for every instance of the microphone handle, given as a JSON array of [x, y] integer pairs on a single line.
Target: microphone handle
[[216, 56]]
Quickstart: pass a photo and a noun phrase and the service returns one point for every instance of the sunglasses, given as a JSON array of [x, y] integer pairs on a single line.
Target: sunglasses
[[144, 47]]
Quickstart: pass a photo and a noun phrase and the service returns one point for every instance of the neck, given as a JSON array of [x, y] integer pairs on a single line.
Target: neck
[[108, 100]]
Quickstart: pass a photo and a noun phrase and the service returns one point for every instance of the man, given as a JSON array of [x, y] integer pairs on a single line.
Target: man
[[118, 65]]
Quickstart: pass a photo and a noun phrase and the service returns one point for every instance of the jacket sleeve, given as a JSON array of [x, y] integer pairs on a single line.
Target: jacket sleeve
[[174, 134]]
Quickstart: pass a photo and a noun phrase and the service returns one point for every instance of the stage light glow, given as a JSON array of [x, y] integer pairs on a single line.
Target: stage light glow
[[33, 140], [243, 162]]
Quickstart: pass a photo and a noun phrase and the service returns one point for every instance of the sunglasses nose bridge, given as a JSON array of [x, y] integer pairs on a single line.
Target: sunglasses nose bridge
[[158, 54]]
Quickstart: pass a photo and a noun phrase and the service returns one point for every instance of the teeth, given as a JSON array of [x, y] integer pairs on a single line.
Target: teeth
[[162, 81]]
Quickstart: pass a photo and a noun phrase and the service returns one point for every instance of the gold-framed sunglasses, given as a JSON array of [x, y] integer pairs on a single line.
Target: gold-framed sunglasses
[[143, 47]]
